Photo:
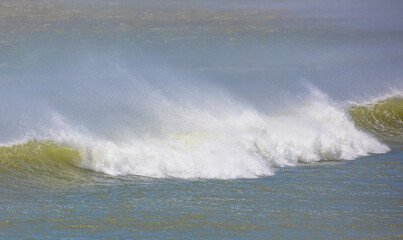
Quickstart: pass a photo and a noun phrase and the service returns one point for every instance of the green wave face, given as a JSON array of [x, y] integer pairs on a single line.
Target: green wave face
[[383, 118], [44, 162]]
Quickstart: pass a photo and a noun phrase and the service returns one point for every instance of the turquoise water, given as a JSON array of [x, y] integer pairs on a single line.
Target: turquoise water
[[212, 120]]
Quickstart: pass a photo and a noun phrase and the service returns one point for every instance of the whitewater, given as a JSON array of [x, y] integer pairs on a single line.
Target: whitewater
[[235, 142]]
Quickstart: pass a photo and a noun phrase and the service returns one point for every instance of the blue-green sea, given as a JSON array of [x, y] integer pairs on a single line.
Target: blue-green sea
[[201, 119]]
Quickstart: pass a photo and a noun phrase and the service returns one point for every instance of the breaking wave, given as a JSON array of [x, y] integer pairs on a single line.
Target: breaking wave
[[238, 144]]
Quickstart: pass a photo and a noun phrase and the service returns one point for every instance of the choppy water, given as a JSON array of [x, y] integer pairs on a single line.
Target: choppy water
[[257, 119]]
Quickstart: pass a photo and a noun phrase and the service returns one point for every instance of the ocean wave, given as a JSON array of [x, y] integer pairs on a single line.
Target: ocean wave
[[43, 162], [382, 117], [240, 144]]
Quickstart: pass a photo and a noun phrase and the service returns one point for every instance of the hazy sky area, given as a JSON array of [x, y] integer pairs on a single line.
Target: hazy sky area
[[88, 58]]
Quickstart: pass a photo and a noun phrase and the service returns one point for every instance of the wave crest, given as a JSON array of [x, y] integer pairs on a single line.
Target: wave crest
[[234, 144], [243, 144]]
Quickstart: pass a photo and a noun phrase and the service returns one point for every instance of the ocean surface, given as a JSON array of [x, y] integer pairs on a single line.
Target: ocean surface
[[201, 119]]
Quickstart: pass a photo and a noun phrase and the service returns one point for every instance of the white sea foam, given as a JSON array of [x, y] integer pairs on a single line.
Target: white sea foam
[[234, 144]]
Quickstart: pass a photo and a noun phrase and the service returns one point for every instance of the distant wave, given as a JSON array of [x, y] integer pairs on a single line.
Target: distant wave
[[244, 144]]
